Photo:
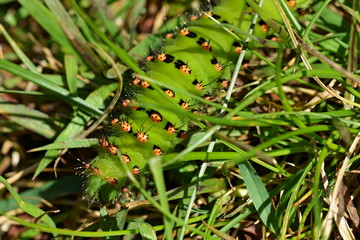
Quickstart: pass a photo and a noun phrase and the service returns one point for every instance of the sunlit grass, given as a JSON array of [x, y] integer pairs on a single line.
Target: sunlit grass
[[285, 159]]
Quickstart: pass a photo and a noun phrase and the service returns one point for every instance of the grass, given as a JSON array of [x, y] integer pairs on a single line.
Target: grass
[[281, 162]]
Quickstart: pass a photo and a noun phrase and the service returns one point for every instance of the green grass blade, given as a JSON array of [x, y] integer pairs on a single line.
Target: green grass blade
[[108, 21], [76, 125], [121, 53], [259, 195], [80, 143], [71, 70], [47, 20], [46, 84], [18, 50], [75, 36], [158, 174], [31, 119], [27, 207], [50, 190]]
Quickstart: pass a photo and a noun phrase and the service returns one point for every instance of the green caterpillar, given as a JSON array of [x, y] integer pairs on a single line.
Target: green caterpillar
[[197, 60]]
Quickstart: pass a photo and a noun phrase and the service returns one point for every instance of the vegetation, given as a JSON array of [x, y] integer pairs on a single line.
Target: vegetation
[[285, 159]]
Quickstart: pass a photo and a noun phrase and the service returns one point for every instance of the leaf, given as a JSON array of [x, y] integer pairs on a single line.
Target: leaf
[[259, 195], [146, 231]]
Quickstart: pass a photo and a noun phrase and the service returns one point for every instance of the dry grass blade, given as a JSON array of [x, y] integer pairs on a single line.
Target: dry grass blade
[[337, 205]]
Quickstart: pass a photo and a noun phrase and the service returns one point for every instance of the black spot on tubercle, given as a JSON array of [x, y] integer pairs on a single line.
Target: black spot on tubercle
[[201, 41], [214, 61], [169, 58], [191, 35], [261, 22], [179, 63], [216, 16], [236, 44]]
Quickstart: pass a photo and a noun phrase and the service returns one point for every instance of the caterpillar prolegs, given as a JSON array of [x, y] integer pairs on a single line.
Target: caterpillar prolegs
[[152, 120]]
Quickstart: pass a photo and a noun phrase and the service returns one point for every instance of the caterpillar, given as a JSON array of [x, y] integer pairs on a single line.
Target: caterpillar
[[196, 60]]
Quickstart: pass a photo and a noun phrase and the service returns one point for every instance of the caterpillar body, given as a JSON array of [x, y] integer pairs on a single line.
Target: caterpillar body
[[197, 61]]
